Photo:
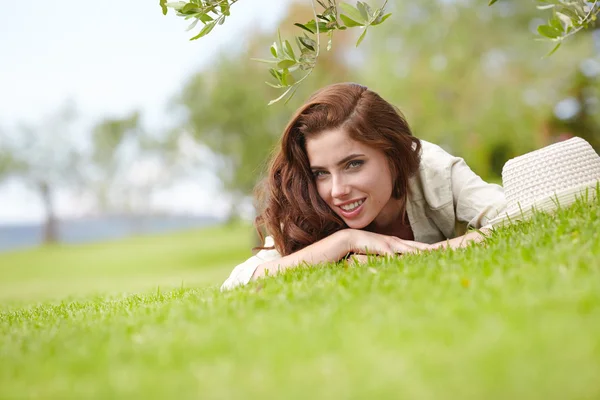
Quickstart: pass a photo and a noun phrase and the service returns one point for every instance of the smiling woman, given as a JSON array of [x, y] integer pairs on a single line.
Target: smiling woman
[[350, 178]]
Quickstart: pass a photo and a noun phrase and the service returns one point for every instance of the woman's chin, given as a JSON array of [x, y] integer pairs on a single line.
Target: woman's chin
[[356, 224]]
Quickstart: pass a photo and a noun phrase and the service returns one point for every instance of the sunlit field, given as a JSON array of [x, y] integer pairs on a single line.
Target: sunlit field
[[517, 317], [189, 259]]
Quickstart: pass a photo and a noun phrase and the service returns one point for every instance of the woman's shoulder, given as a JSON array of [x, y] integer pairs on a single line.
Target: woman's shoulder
[[433, 180], [243, 272], [435, 164], [433, 155]]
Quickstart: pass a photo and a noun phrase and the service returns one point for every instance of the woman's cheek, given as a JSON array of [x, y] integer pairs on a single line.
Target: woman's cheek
[[323, 192]]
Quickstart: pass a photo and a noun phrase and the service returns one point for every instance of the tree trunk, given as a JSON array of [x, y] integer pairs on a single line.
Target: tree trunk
[[50, 225]]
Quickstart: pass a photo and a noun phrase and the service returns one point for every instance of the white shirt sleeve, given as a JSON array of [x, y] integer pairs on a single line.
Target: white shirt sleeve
[[476, 201], [242, 273]]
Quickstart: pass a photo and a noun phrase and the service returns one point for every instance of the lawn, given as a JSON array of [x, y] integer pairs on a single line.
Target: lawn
[[188, 259], [516, 317]]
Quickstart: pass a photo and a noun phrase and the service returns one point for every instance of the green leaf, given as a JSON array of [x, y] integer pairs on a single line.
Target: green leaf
[[163, 5], [554, 49], [556, 24], [350, 23], [192, 25], [279, 42], [380, 19], [287, 78], [284, 64], [282, 96], [578, 9], [303, 27], [312, 27], [565, 19], [298, 43], [225, 9], [294, 89], [276, 86], [177, 5], [308, 43], [362, 36], [330, 41], [205, 18], [190, 8], [205, 31], [329, 12], [492, 2], [263, 60], [548, 31], [353, 13], [570, 13], [363, 9], [545, 7], [274, 49], [274, 73], [289, 51]]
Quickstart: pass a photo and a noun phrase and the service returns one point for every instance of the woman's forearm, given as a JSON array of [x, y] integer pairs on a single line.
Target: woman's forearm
[[462, 241], [330, 249]]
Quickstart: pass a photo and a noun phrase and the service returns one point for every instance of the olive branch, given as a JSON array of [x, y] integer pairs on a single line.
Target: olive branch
[[568, 18], [289, 67]]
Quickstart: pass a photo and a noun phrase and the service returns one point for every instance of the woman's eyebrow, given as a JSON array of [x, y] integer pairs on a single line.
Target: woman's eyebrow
[[342, 161]]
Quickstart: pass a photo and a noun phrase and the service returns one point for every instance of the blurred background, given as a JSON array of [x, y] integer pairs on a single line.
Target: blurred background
[[113, 124]]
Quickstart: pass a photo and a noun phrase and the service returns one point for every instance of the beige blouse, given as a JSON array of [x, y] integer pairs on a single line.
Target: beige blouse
[[446, 198]]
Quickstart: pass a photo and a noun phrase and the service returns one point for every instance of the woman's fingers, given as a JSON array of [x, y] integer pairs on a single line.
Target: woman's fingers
[[358, 259], [384, 245], [409, 246]]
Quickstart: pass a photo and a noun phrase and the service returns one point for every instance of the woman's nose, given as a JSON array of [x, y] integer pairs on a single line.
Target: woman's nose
[[339, 188]]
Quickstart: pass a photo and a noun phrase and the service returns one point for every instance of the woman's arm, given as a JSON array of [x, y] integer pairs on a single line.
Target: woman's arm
[[476, 201], [462, 241], [455, 243], [334, 247]]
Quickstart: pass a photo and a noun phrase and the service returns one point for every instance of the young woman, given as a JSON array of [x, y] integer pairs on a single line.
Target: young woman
[[350, 178]]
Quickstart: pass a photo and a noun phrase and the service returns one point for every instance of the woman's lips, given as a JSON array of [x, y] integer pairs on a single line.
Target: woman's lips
[[354, 213]]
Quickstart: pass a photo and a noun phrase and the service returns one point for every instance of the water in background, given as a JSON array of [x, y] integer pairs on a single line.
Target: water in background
[[14, 237]]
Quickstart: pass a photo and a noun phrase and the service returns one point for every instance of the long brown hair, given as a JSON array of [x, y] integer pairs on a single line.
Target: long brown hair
[[290, 208]]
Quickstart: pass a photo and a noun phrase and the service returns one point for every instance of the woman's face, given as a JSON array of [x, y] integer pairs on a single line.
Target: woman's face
[[353, 179]]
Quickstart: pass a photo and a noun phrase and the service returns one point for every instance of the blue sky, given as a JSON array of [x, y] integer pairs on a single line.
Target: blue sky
[[109, 58]]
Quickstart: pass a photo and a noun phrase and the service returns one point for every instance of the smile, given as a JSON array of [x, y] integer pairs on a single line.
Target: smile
[[352, 206], [351, 210]]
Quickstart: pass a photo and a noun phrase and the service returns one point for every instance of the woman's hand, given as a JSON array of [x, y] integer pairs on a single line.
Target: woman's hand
[[358, 259], [364, 242]]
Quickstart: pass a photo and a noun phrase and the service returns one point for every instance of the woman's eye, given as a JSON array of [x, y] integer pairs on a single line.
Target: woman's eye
[[319, 174], [355, 163]]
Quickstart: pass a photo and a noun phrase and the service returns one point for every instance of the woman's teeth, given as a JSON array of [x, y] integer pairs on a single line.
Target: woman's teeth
[[352, 206]]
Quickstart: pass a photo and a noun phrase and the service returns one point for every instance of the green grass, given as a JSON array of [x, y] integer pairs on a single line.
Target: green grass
[[191, 259], [517, 317]]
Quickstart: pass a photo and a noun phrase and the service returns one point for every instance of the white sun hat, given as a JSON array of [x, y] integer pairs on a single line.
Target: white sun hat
[[548, 178]]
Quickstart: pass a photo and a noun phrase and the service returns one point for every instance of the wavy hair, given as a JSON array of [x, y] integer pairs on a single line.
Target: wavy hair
[[290, 208]]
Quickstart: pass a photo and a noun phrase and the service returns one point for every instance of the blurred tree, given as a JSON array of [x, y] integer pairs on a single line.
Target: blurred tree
[[289, 66], [110, 137], [128, 164], [567, 17], [474, 84], [577, 114], [47, 158], [6, 159], [226, 112]]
